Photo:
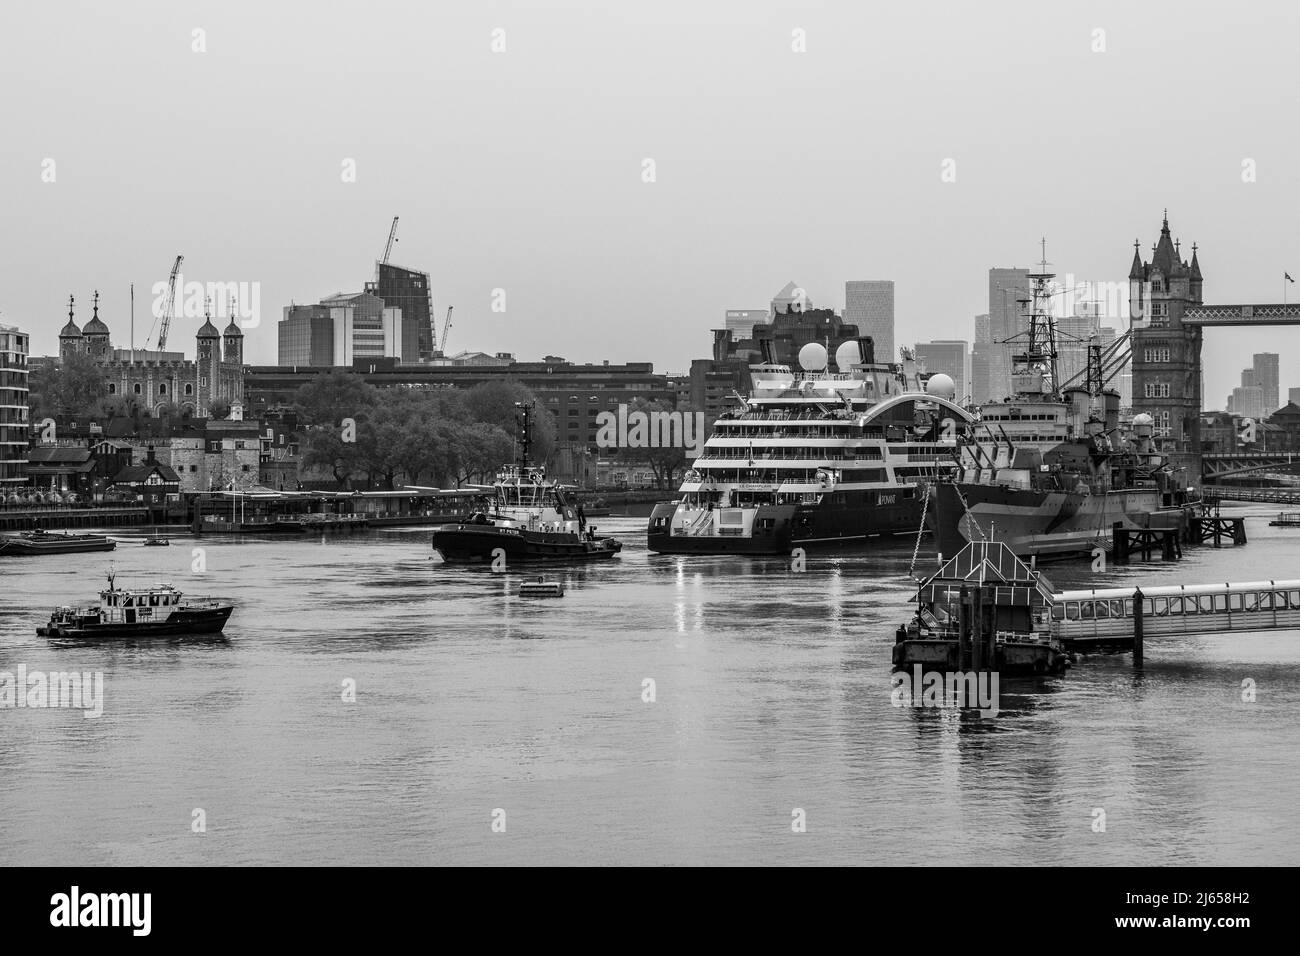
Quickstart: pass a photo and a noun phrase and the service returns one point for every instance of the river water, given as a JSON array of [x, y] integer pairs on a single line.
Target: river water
[[771, 696]]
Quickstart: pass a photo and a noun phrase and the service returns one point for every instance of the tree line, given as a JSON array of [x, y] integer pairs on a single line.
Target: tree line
[[439, 437]]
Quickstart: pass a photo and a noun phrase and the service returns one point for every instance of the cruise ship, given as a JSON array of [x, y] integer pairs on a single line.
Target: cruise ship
[[815, 457]]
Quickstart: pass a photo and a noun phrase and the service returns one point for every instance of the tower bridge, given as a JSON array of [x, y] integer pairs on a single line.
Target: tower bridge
[[1168, 318]]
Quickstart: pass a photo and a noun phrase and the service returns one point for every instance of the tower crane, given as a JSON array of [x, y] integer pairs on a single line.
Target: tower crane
[[169, 304], [446, 324], [392, 238]]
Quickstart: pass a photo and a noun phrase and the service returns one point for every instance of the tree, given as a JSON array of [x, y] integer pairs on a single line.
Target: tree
[[219, 408], [76, 388], [669, 455], [494, 403], [480, 449], [334, 396], [324, 447]]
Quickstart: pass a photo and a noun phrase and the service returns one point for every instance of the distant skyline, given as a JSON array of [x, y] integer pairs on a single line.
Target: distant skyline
[[920, 144]]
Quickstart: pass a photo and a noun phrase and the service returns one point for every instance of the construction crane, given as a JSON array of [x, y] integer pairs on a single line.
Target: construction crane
[[169, 304], [392, 238], [446, 324]]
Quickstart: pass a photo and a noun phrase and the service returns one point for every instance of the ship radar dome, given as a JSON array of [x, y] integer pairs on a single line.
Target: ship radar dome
[[848, 355], [812, 357], [941, 386]]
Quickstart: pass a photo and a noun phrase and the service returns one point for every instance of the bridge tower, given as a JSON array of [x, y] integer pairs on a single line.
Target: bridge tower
[[1166, 352]]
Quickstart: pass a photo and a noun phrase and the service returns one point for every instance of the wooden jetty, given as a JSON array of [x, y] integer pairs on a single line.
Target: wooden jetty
[[984, 610]]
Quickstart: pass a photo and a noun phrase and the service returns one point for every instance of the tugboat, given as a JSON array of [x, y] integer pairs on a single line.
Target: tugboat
[[138, 612], [530, 519], [40, 541]]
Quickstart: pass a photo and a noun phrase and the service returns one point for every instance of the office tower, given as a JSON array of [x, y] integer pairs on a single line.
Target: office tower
[[409, 291], [1266, 377], [740, 322], [792, 298], [869, 304], [1008, 291]]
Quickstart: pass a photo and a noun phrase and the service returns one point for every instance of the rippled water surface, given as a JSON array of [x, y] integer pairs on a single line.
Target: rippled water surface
[[772, 693]]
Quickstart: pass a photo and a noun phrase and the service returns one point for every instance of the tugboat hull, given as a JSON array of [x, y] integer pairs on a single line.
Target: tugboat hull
[[466, 544], [206, 620]]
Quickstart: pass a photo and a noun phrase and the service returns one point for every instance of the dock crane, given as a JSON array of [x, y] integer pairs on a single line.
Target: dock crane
[[446, 324], [392, 238], [169, 304]]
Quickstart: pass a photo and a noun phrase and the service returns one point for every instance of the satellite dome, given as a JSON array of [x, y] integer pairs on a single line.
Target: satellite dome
[[941, 386], [848, 355], [812, 357]]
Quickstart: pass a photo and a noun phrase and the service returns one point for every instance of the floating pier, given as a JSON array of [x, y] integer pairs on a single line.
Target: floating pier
[[984, 610], [1286, 519]]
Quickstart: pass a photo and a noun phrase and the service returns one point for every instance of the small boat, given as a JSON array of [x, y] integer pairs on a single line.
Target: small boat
[[138, 612], [156, 540], [1286, 519], [541, 588], [52, 542]]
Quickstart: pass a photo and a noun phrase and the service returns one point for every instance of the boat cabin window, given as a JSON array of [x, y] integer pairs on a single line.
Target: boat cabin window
[[1279, 600], [1117, 608], [1128, 608], [1102, 609], [1161, 607], [1146, 607], [1058, 612], [1234, 602], [1295, 599], [1220, 602]]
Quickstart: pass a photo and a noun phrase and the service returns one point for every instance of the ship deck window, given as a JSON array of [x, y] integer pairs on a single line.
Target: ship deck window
[[1234, 602], [1220, 602], [1072, 611]]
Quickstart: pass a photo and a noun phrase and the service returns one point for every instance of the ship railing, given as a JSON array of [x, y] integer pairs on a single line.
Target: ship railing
[[697, 524]]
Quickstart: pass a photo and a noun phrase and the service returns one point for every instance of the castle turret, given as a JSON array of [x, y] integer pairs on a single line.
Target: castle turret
[[233, 340], [71, 341], [208, 363], [97, 336]]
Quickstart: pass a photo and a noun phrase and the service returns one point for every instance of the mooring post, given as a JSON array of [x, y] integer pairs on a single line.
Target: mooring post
[[963, 625], [1119, 543], [977, 632], [1239, 530], [1137, 627]]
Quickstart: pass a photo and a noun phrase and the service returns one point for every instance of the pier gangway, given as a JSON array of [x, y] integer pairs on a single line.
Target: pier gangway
[[1116, 616]]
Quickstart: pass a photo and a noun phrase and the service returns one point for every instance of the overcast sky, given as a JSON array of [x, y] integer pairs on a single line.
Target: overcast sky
[[524, 170]]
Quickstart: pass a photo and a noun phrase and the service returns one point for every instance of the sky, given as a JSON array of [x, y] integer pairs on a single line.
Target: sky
[[814, 142]]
